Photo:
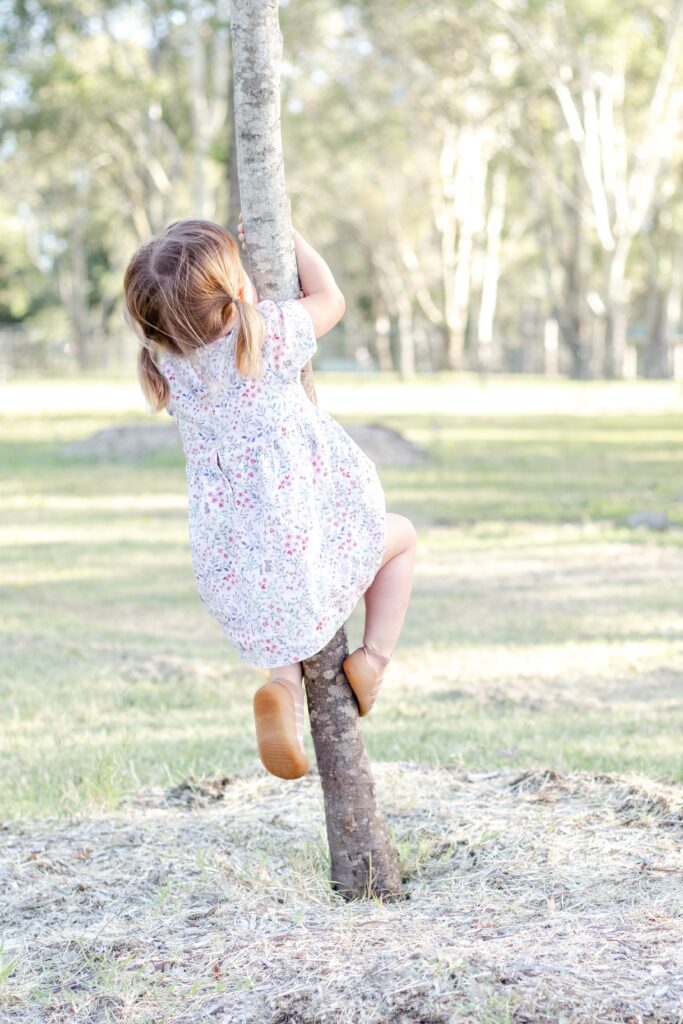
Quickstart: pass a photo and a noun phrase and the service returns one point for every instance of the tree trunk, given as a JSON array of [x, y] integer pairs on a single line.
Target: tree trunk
[[399, 304], [200, 117], [382, 342], [233, 205], [406, 338], [664, 293], [363, 860], [656, 355], [616, 314], [74, 282], [489, 291], [463, 171]]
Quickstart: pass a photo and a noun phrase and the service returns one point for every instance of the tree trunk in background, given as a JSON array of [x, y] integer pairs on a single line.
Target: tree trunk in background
[[363, 860], [489, 291], [673, 309], [200, 117], [563, 247], [663, 308], [155, 179], [656, 354], [73, 280], [572, 316], [382, 342], [616, 313], [399, 303], [463, 174], [406, 337]]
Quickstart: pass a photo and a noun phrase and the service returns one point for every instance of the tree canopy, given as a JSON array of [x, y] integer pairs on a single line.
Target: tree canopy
[[494, 183]]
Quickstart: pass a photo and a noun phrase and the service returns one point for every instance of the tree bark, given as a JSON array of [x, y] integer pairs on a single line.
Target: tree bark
[[616, 315], [464, 170], [363, 859], [664, 298], [199, 108], [233, 204], [399, 303], [489, 292], [74, 281]]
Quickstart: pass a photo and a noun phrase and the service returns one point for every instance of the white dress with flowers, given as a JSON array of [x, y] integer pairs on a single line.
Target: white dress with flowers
[[286, 513]]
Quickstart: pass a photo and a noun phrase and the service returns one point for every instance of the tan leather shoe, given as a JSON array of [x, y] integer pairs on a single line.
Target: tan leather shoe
[[364, 678], [279, 728]]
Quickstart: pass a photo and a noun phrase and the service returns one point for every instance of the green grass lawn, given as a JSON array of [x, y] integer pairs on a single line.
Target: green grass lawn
[[542, 631]]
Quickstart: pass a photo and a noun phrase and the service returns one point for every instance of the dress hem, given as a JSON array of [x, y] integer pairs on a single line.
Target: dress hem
[[329, 633]]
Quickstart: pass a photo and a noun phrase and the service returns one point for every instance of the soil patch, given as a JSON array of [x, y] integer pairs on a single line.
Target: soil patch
[[542, 897], [133, 443]]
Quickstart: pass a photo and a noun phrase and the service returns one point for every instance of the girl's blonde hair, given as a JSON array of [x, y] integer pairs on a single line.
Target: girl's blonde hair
[[180, 291]]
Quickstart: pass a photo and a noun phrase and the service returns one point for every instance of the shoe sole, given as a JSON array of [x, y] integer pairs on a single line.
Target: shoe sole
[[363, 682], [276, 737]]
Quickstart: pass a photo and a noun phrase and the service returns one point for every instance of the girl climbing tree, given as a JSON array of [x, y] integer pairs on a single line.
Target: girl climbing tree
[[287, 520], [363, 860]]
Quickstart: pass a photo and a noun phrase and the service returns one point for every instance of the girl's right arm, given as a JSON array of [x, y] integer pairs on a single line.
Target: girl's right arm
[[322, 296]]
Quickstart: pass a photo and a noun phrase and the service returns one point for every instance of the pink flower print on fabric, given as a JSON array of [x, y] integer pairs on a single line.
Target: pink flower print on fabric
[[286, 513]]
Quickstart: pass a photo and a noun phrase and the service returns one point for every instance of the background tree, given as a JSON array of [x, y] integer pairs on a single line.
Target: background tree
[[488, 179]]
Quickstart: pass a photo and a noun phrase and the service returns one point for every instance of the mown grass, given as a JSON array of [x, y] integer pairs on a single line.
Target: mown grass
[[541, 630]]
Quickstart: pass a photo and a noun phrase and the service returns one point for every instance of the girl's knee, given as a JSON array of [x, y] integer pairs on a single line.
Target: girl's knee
[[412, 533], [402, 531]]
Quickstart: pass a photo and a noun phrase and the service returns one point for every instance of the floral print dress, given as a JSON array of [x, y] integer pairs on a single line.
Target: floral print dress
[[287, 520]]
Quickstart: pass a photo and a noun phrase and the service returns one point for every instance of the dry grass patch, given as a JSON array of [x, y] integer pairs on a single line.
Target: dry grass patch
[[542, 897]]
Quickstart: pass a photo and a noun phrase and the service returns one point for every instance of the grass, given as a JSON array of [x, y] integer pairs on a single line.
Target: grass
[[541, 897], [542, 630]]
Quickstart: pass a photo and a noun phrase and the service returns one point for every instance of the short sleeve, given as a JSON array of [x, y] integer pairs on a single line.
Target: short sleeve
[[290, 340]]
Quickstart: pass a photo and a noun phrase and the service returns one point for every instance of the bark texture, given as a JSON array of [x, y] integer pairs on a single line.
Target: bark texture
[[256, 58], [363, 859]]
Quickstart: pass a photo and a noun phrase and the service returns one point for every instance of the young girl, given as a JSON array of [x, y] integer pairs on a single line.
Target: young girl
[[287, 520]]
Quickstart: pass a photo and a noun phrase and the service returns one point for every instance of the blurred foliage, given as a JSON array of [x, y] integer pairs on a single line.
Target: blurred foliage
[[480, 174]]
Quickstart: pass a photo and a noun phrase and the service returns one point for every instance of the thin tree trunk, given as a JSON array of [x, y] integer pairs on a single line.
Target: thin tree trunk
[[398, 302], [616, 315], [363, 860], [74, 284], [233, 207], [656, 295], [463, 172], [664, 287], [489, 291], [557, 198], [382, 343], [406, 338], [673, 308]]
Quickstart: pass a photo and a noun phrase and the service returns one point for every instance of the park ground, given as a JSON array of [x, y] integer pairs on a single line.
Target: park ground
[[527, 743]]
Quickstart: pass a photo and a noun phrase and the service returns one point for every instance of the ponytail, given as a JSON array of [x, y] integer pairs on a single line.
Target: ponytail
[[180, 291], [249, 339], [152, 381]]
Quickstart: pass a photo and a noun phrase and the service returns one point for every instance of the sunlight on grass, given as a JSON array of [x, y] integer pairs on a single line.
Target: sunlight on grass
[[541, 631]]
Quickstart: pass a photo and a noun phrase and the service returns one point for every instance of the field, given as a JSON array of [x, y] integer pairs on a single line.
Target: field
[[527, 742]]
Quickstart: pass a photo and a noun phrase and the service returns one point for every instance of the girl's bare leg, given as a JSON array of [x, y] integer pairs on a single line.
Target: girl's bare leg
[[386, 599], [293, 673]]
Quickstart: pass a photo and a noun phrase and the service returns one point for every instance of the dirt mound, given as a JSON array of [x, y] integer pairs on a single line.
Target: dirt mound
[[386, 447], [133, 443], [546, 897], [125, 444]]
